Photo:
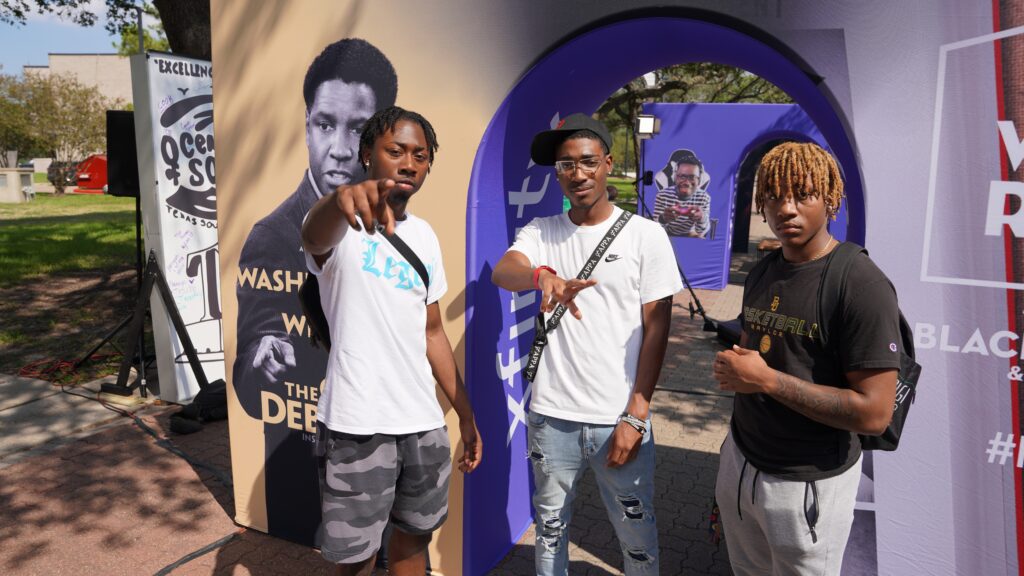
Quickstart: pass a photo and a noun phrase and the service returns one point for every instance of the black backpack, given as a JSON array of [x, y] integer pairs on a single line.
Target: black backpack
[[830, 293]]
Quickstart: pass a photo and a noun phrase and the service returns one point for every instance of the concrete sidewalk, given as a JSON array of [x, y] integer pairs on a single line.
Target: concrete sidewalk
[[85, 490]]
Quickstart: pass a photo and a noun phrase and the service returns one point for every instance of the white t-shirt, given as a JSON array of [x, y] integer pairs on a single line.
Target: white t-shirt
[[588, 368], [378, 378]]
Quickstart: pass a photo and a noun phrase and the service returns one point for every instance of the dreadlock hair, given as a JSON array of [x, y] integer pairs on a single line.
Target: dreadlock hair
[[352, 60], [385, 120], [800, 168]]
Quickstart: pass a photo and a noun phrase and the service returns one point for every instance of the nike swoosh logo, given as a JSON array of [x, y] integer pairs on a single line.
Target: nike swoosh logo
[[612, 258]]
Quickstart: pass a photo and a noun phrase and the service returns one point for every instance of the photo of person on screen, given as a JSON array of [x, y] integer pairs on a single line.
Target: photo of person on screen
[[682, 204]]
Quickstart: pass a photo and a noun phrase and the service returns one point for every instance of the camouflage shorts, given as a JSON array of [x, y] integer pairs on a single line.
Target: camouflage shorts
[[366, 480]]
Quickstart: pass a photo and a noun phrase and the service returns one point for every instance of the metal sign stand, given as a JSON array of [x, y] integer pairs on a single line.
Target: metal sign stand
[[151, 277]]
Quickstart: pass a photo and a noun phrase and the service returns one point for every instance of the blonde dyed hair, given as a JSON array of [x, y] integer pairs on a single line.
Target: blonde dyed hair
[[800, 167]]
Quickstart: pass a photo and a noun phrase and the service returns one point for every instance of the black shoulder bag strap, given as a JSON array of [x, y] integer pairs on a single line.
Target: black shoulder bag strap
[[541, 330], [411, 257], [309, 293]]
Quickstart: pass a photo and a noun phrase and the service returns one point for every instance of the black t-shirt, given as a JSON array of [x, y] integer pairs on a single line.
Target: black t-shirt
[[779, 320]]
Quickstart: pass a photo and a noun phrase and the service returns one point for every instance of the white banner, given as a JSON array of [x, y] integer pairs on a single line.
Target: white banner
[[173, 99]]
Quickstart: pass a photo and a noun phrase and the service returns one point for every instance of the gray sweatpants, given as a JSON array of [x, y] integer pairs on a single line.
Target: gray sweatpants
[[783, 527]]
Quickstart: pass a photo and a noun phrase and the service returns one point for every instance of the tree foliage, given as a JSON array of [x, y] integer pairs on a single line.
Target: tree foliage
[[15, 130], [691, 82], [185, 22], [55, 116], [153, 37]]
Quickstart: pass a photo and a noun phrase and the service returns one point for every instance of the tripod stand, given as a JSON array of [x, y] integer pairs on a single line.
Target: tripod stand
[[151, 277], [109, 337], [709, 324], [695, 306]]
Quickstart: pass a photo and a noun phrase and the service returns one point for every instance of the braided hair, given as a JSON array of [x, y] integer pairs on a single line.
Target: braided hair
[[384, 121], [799, 167]]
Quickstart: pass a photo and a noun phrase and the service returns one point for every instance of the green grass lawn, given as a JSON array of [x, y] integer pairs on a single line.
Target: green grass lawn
[[626, 198], [39, 177], [67, 275], [66, 233]]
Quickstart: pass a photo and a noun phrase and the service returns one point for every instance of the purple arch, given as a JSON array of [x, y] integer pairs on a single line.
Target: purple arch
[[506, 191]]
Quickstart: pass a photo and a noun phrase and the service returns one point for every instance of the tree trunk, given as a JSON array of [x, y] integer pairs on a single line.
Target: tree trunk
[[187, 25]]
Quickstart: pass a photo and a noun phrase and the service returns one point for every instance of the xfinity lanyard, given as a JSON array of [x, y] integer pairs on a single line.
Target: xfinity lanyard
[[540, 334]]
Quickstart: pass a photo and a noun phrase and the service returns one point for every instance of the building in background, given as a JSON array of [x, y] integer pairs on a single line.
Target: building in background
[[108, 73]]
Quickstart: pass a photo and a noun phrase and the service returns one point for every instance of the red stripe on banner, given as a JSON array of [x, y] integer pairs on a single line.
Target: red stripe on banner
[[1011, 305]]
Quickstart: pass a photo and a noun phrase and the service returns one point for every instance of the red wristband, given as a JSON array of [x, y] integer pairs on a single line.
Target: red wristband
[[536, 274]]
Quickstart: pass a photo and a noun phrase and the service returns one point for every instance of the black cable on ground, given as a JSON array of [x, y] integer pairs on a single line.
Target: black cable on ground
[[57, 371], [108, 406], [166, 444], [200, 552]]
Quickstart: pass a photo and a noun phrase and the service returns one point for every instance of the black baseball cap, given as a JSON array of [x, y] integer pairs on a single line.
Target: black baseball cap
[[542, 151]]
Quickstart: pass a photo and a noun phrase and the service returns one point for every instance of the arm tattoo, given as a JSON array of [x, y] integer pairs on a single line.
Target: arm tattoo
[[824, 404]]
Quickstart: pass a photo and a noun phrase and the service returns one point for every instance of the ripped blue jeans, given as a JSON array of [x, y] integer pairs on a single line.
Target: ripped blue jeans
[[561, 451]]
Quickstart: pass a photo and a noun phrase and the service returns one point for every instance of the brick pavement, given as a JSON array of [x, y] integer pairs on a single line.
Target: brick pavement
[[113, 502], [118, 501]]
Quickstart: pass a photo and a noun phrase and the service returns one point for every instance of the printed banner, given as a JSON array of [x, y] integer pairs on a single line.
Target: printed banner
[[507, 190], [173, 99]]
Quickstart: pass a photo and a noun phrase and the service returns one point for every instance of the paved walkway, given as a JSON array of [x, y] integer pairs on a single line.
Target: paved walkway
[[122, 495]]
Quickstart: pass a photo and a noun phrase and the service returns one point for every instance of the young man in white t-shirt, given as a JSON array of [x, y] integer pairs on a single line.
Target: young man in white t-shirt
[[590, 404], [387, 451]]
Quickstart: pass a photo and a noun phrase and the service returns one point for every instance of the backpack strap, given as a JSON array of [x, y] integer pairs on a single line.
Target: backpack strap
[[832, 288], [831, 292]]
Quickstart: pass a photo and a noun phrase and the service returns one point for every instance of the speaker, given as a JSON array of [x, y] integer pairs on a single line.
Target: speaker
[[122, 160]]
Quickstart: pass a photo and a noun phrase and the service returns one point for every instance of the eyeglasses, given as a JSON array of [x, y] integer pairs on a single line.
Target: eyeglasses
[[687, 177], [588, 165]]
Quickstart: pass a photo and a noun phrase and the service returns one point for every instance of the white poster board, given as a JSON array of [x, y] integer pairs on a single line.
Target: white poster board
[[173, 98]]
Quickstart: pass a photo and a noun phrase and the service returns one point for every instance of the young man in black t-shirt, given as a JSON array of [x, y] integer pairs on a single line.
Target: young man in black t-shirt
[[790, 466]]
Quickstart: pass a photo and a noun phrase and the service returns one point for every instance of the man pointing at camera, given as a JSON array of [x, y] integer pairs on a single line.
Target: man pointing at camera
[[386, 447]]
